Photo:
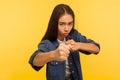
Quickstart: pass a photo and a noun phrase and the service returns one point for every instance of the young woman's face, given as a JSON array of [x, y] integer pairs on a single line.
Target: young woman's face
[[65, 25]]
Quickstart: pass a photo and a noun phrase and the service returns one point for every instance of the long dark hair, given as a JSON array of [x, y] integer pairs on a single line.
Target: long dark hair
[[52, 30]]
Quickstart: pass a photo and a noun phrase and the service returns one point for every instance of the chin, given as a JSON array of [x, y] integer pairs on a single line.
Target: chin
[[65, 36]]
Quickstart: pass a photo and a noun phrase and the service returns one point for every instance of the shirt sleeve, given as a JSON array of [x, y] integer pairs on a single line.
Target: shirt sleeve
[[81, 38], [42, 47]]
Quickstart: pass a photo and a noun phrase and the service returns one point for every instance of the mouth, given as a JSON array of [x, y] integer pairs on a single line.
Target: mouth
[[66, 34]]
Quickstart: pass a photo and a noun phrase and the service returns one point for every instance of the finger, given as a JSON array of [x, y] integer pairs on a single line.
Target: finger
[[63, 58], [67, 47], [68, 42], [70, 46], [62, 46], [63, 54], [66, 51], [72, 42]]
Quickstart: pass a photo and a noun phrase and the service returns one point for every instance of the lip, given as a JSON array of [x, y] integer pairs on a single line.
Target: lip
[[66, 34]]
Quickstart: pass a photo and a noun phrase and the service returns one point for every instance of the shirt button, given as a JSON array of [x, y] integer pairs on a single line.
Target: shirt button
[[56, 63], [70, 63], [73, 72]]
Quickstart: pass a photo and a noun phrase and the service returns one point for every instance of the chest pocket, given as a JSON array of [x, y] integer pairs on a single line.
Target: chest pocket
[[55, 68], [55, 63]]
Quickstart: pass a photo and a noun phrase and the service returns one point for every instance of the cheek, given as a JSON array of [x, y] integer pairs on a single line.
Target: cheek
[[59, 30], [71, 28]]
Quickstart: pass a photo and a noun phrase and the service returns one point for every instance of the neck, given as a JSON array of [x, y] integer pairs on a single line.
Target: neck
[[63, 39]]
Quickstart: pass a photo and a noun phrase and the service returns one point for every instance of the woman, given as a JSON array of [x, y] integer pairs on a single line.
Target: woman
[[60, 47]]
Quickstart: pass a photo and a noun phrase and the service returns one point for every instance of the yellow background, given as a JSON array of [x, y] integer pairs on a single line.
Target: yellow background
[[24, 22]]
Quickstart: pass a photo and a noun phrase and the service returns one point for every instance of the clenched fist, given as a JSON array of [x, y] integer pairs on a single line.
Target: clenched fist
[[62, 52], [73, 45]]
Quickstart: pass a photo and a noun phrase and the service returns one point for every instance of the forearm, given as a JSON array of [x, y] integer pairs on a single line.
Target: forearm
[[42, 58], [89, 47]]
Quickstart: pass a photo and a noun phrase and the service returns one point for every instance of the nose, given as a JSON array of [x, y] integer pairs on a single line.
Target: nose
[[66, 28]]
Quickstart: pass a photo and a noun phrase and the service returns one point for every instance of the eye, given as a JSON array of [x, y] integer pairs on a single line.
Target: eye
[[61, 24], [70, 24]]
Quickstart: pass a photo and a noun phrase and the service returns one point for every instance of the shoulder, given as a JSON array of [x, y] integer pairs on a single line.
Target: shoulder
[[44, 43], [74, 31], [48, 44], [77, 36], [74, 34]]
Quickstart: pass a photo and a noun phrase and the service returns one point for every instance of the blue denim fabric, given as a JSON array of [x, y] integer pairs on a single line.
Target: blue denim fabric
[[56, 69], [69, 78]]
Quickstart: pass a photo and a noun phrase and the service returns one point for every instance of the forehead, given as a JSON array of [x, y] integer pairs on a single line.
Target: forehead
[[66, 18]]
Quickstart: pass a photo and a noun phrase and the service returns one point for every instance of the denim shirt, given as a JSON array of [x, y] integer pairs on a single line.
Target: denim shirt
[[56, 69]]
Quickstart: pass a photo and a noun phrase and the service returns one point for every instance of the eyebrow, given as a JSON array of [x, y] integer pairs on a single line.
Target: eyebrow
[[65, 22]]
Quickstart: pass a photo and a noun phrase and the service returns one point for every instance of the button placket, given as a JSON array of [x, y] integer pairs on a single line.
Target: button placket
[[56, 63]]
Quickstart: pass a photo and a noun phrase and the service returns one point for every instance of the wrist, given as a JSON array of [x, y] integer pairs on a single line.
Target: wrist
[[78, 45], [52, 55]]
